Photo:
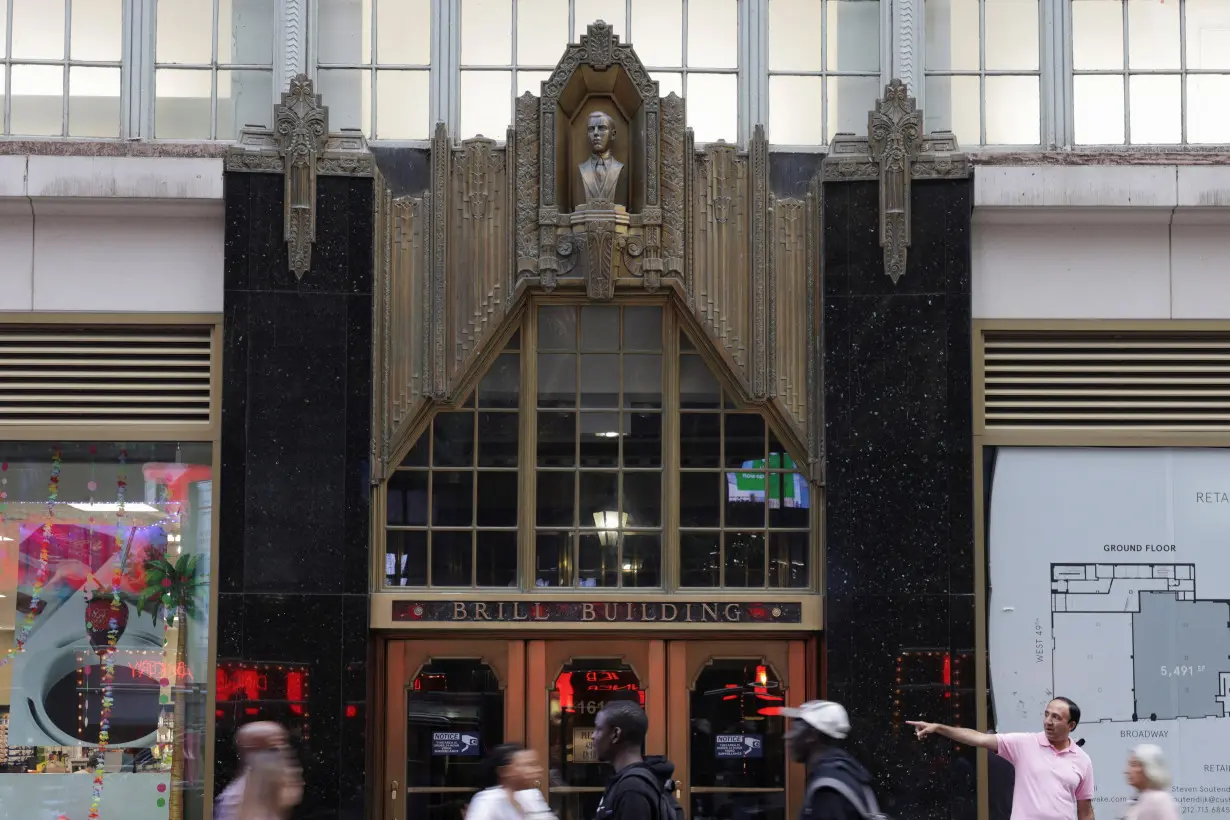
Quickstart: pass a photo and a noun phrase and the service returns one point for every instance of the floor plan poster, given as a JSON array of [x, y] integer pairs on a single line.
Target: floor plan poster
[[1110, 585]]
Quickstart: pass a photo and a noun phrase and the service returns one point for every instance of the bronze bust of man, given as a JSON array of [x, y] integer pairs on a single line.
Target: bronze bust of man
[[600, 173]]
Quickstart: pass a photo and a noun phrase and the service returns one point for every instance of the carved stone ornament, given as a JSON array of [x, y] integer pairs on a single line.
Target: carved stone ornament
[[300, 147], [895, 152]]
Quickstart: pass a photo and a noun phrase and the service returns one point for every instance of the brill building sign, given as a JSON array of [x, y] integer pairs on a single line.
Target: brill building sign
[[716, 612]]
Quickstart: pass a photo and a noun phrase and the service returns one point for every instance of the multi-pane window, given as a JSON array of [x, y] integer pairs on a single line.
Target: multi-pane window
[[451, 507], [598, 516], [213, 67], [982, 70], [1150, 72], [509, 47], [824, 68], [60, 67], [744, 507], [373, 63]]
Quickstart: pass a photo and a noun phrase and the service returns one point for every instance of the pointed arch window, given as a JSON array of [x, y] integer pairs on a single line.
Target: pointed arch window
[[599, 449]]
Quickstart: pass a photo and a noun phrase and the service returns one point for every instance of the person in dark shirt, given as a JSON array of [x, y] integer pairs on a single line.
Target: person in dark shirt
[[815, 738], [635, 793]]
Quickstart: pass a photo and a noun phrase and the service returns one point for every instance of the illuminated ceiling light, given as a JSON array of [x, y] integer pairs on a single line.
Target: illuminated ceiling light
[[607, 434], [609, 522], [111, 506]]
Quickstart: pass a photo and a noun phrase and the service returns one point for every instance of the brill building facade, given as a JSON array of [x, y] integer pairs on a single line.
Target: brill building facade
[[425, 374]]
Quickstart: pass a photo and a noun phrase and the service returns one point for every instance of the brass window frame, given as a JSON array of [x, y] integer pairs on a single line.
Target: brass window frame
[[210, 434], [984, 437], [523, 319]]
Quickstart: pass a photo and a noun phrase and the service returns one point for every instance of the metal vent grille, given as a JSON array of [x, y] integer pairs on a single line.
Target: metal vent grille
[[1144, 381], [104, 375]]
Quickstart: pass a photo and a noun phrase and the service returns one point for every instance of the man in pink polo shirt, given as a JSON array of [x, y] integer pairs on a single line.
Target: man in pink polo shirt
[[1054, 776]]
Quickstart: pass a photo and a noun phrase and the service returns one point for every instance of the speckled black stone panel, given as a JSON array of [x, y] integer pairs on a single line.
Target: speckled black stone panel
[[899, 500]]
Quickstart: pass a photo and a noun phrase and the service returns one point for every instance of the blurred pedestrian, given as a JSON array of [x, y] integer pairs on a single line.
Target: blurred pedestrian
[[516, 774], [838, 786], [1148, 773], [260, 736], [272, 786]]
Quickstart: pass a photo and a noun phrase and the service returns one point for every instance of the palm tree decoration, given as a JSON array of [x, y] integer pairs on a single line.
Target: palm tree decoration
[[173, 586]]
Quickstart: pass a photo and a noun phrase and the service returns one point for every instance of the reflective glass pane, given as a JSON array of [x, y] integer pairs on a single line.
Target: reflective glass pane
[[1012, 42], [577, 695], [744, 440], [789, 499], [744, 556], [406, 500], [452, 558], [599, 493], [542, 32], [452, 498], [349, 92], [552, 559], [643, 440], [952, 36], [796, 110], [850, 98], [486, 103], [4, 40], [460, 695], [1013, 112], [953, 104], [245, 32], [1097, 34], [497, 499], [406, 561], [182, 104], [700, 559], [1156, 109], [698, 388], [403, 32], [794, 32], [642, 498], [713, 106], [853, 35], [486, 32], [789, 554], [97, 30], [185, 31], [745, 499], [600, 436], [599, 380], [243, 99], [700, 440], [641, 564], [417, 457], [557, 328], [599, 328], [38, 29], [498, 438], [669, 82], [531, 81], [501, 384], [598, 560], [556, 494], [93, 101], [657, 31], [1208, 124], [497, 559], [642, 328], [344, 32], [557, 443], [557, 380], [1208, 34], [642, 380], [700, 495], [37, 107], [453, 439], [1153, 34], [591, 11], [713, 34], [401, 105], [1098, 109]]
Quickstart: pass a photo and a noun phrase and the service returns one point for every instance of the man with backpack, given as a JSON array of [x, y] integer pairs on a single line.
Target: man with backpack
[[838, 786], [642, 788]]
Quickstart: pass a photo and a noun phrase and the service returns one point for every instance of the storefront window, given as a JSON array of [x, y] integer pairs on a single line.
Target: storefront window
[[105, 555]]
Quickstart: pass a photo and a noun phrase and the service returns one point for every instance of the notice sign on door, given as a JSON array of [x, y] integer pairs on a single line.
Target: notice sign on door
[[454, 743], [583, 746], [738, 746]]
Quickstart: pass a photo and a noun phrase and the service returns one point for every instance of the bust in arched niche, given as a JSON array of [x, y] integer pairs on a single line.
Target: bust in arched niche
[[600, 174]]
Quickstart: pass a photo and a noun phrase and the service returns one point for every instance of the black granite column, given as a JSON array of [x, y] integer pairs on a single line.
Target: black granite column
[[295, 497], [899, 496]]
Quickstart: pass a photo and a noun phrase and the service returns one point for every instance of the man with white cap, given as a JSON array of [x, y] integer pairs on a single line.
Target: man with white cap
[[838, 786]]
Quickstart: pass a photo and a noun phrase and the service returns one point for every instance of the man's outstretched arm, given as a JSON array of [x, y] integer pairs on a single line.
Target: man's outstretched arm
[[969, 737]]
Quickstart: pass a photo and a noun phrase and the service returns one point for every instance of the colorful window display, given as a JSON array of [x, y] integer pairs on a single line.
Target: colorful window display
[[105, 553]]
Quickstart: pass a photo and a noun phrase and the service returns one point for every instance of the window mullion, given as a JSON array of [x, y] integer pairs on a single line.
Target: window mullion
[[901, 26], [670, 541], [1055, 80], [445, 64], [527, 458], [753, 71], [290, 45]]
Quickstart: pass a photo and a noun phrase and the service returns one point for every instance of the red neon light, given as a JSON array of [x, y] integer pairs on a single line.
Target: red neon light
[[601, 676], [296, 708], [563, 685], [947, 674], [352, 710], [762, 676], [294, 686], [251, 710]]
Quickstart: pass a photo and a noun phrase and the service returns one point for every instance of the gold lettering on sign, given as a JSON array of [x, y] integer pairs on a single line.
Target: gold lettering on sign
[[645, 613], [480, 612], [674, 612], [459, 611], [516, 616], [631, 617], [733, 613], [587, 612], [708, 611], [500, 615], [688, 619], [540, 614], [610, 611]]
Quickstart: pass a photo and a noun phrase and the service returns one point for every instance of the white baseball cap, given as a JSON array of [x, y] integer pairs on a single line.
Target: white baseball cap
[[824, 716]]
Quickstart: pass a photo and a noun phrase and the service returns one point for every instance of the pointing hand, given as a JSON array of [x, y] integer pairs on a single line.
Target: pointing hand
[[922, 729]]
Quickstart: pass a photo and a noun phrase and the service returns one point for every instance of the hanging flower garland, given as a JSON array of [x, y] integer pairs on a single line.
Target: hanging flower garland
[[40, 577], [113, 636]]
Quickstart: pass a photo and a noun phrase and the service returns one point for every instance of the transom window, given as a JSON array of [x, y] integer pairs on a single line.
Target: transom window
[[604, 454]]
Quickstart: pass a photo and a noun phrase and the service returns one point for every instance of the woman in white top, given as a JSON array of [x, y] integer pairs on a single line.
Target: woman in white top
[[515, 795], [1148, 774]]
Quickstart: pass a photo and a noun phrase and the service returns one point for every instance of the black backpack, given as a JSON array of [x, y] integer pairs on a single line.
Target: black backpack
[[668, 807], [865, 804]]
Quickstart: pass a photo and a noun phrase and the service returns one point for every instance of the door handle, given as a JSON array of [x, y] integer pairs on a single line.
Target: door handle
[[393, 797]]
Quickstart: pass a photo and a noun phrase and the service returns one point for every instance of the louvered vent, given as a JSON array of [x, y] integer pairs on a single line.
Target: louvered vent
[[1153, 381], [104, 375]]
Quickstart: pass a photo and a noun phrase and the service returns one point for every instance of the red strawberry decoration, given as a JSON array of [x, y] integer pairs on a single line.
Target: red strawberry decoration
[[98, 615]]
